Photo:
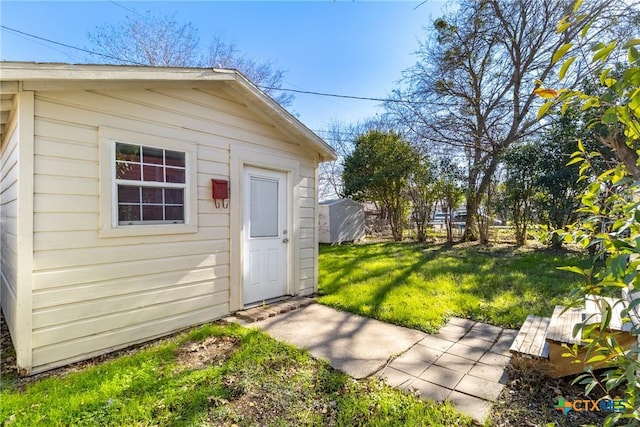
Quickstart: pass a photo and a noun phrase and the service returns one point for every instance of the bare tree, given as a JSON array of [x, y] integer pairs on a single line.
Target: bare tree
[[265, 75], [157, 40], [163, 41], [472, 87], [341, 137]]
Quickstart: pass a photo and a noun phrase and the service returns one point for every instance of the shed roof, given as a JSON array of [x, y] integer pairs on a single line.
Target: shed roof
[[332, 202], [18, 76]]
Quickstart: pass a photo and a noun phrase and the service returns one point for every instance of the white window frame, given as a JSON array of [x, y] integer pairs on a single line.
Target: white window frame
[[142, 183], [109, 227]]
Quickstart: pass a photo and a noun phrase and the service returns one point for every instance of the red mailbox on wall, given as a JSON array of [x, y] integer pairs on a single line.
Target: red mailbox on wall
[[220, 192]]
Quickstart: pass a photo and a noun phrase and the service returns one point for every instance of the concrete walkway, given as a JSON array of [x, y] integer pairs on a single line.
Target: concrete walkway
[[463, 363]]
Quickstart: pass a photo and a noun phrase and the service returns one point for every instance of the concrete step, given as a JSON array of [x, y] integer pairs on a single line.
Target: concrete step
[[263, 312], [530, 340]]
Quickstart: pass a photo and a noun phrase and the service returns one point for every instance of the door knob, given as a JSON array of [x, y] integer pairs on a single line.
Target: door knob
[[285, 240]]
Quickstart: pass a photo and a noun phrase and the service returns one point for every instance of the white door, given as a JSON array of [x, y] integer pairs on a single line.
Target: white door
[[265, 235]]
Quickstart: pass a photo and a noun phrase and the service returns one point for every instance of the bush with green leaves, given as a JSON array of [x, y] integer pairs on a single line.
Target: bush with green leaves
[[379, 169], [610, 205]]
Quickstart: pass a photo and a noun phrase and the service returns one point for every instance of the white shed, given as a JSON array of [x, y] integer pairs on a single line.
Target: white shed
[[137, 201], [340, 220]]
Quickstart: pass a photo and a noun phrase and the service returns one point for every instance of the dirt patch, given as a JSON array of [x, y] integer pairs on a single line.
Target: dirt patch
[[11, 378], [8, 356], [293, 394], [200, 354], [530, 397]]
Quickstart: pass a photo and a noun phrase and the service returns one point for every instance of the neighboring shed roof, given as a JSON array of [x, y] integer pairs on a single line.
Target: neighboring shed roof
[[17, 76]]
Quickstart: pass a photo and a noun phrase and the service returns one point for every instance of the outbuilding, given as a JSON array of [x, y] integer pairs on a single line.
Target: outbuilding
[[341, 220], [137, 201]]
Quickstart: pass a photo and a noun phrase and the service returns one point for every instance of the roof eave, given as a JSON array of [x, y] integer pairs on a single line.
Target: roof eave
[[52, 72]]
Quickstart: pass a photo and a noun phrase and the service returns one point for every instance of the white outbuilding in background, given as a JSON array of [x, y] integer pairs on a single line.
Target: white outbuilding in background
[[340, 220]]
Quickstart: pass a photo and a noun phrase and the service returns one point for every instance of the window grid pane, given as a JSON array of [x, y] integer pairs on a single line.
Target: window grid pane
[[151, 201], [155, 204], [153, 165]]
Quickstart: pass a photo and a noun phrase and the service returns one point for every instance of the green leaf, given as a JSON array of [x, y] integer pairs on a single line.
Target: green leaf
[[632, 76], [619, 265], [576, 6], [586, 28], [580, 379], [604, 74], [574, 161], [543, 109], [595, 359], [632, 42], [610, 117], [565, 67], [576, 270], [603, 53], [634, 55], [563, 25], [591, 102], [562, 50]]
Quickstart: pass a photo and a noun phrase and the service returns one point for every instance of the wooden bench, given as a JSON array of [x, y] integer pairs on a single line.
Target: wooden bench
[[562, 325], [548, 338], [530, 341]]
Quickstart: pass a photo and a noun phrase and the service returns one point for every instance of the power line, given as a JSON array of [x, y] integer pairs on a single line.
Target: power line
[[334, 95], [127, 9], [300, 91], [69, 46], [38, 42]]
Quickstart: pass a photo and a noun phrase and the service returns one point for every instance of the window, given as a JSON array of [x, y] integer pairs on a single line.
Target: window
[[151, 184], [148, 184], [264, 207]]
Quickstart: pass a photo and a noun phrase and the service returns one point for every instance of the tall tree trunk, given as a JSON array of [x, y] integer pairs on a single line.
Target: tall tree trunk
[[396, 213], [474, 198], [471, 224]]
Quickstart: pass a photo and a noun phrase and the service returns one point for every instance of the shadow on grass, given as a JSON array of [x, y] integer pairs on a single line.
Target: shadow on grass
[[262, 382], [259, 383], [495, 285]]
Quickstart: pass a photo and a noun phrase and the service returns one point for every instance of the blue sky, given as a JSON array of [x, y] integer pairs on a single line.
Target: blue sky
[[343, 47]]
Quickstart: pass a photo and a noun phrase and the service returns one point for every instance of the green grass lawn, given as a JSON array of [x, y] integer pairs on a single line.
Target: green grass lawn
[[421, 286], [214, 375]]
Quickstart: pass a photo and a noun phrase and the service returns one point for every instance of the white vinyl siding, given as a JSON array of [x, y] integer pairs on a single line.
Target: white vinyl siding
[[308, 239], [9, 223], [94, 290], [16, 225]]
